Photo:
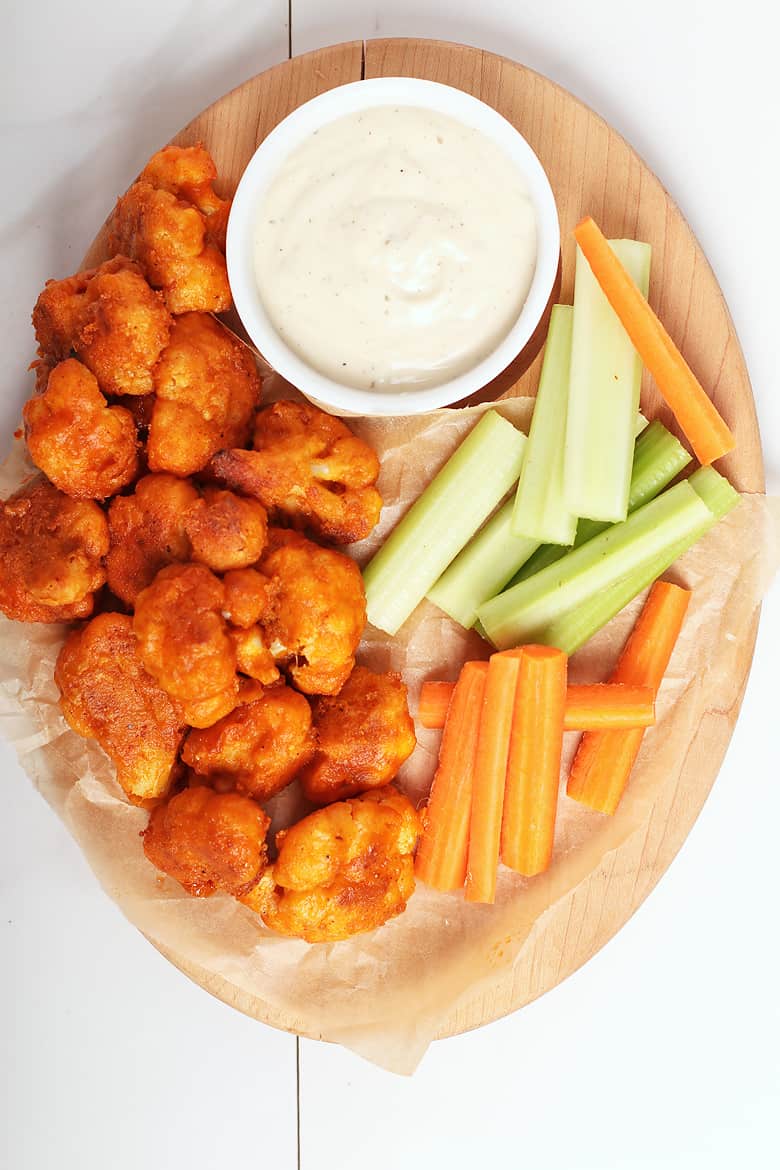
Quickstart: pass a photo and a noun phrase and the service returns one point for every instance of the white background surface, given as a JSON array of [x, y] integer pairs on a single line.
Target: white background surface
[[663, 1050]]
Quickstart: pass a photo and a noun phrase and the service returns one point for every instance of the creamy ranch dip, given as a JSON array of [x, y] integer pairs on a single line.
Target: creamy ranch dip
[[395, 248]]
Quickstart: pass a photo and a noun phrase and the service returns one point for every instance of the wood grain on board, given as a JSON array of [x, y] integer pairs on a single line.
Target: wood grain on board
[[592, 170]]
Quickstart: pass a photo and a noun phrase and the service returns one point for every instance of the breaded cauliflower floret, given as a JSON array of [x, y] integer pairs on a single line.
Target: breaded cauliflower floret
[[307, 465], [208, 841], [317, 611], [259, 746], [253, 657], [247, 597], [111, 319], [147, 532], [88, 449], [342, 870], [52, 550], [364, 734], [226, 531], [188, 172], [107, 695], [207, 389], [183, 641], [172, 222]]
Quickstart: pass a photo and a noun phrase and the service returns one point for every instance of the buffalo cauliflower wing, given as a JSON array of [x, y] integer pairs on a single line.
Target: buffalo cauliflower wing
[[88, 449], [107, 695], [247, 597], [226, 531], [307, 465], [316, 613], [52, 550], [364, 734], [253, 657], [259, 746], [208, 841], [111, 319], [147, 532], [183, 641], [344, 869], [207, 389], [172, 222]]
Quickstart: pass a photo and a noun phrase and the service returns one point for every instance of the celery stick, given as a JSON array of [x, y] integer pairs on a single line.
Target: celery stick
[[526, 611], [458, 500], [716, 491], [575, 628], [488, 561], [658, 458], [483, 568], [606, 373], [540, 510]]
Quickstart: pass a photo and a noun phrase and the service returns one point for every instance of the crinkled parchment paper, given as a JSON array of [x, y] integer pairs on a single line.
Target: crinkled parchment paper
[[387, 995]]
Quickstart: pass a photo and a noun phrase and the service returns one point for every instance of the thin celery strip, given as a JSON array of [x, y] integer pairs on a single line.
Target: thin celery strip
[[574, 629], [483, 568], [658, 458], [604, 384], [527, 611], [716, 491], [442, 520], [540, 510], [488, 561]]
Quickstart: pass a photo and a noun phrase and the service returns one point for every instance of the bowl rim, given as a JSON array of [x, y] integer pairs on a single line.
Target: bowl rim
[[263, 167]]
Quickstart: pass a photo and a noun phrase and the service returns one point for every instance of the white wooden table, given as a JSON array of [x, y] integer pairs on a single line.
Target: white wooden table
[[663, 1050]]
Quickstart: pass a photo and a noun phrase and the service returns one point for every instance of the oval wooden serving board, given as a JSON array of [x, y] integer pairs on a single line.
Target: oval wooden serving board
[[592, 170]]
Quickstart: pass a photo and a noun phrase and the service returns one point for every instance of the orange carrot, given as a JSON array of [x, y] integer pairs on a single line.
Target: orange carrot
[[704, 428], [434, 701], [443, 849], [604, 759], [595, 705], [531, 796], [487, 802], [588, 707]]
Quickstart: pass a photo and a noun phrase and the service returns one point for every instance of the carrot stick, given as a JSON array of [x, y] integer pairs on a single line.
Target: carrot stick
[[588, 707], [533, 768], [487, 801], [704, 428], [443, 849], [604, 759], [434, 701], [595, 705]]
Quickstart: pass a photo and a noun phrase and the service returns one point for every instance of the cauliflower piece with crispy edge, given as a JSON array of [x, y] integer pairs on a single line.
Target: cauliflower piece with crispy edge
[[308, 466]]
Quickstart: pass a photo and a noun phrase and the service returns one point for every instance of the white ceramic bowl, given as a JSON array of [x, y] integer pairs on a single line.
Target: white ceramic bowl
[[264, 165]]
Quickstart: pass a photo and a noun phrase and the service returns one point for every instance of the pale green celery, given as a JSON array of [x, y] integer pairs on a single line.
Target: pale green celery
[[482, 569], [606, 373], [527, 611], [488, 561], [442, 520], [716, 491], [575, 628], [477, 628], [540, 510], [658, 458]]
